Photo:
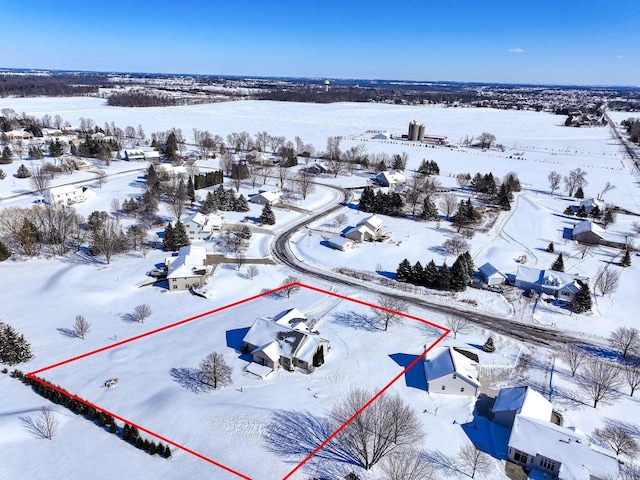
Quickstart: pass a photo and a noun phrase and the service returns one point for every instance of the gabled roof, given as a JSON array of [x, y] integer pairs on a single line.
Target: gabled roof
[[446, 361], [292, 318], [489, 270], [270, 196], [391, 178], [588, 226], [571, 448], [372, 221], [525, 401], [189, 260], [547, 278], [197, 218], [62, 189], [339, 241]]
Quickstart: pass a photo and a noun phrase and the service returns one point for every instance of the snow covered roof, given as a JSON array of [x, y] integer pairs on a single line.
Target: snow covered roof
[[373, 221], [62, 189], [190, 259], [589, 203], [579, 460], [390, 178], [340, 242], [549, 278], [525, 401], [292, 318], [588, 226], [446, 361], [488, 271], [270, 196], [197, 218]]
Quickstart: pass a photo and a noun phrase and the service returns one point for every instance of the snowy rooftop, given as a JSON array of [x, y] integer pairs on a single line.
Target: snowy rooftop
[[546, 277], [579, 460], [525, 401], [373, 221], [445, 361]]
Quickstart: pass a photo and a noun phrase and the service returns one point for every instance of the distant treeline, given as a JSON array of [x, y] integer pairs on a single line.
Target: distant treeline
[[141, 99], [59, 85]]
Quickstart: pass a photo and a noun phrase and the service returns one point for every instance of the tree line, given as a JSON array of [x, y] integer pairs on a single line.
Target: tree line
[[454, 278]]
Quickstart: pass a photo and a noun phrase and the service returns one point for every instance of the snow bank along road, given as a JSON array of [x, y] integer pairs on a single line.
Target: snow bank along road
[[521, 331]]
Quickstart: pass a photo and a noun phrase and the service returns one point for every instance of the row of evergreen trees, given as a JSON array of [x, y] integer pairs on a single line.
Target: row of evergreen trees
[[14, 348], [209, 179], [99, 418], [225, 200], [454, 278], [381, 203]]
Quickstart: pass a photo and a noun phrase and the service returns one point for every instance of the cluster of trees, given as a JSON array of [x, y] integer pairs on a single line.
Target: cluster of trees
[[58, 85], [429, 167], [14, 348], [175, 237], [380, 202], [632, 126], [142, 99], [209, 179], [454, 278], [93, 148], [225, 200], [101, 419], [466, 216]]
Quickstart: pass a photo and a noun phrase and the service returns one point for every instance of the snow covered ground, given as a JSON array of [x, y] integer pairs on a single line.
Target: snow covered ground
[[229, 426]]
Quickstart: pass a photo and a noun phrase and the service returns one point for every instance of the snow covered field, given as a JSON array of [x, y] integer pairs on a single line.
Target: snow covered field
[[47, 293]]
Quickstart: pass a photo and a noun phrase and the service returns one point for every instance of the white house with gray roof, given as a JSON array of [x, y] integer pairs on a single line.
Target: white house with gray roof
[[450, 372]]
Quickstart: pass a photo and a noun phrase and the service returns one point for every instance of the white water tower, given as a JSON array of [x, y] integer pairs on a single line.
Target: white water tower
[[326, 85]]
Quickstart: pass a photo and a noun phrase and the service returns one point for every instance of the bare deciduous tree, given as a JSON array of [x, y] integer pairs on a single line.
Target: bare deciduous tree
[[81, 327], [214, 371], [142, 312], [456, 245], [474, 460], [599, 380], [304, 183], [554, 181], [448, 203], [252, 271], [576, 179], [407, 465], [457, 324], [101, 178], [40, 179], [341, 219], [607, 188], [573, 356], [583, 249], [625, 339], [607, 280], [290, 286], [387, 312], [386, 425], [45, 426], [617, 439], [631, 373]]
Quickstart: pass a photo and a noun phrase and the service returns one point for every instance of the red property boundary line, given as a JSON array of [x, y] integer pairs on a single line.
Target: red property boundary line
[[445, 331]]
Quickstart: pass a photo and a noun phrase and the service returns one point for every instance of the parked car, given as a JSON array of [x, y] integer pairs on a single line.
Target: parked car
[[495, 288]]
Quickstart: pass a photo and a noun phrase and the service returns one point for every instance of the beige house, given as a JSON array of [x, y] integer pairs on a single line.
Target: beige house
[[286, 341], [366, 230], [200, 226], [188, 269]]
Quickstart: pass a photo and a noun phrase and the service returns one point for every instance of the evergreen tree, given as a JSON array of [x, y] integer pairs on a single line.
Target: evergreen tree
[[3, 175], [395, 205], [595, 213], [626, 259], [7, 156], [430, 274], [366, 200], [504, 197], [489, 346], [14, 348], [56, 149], [550, 247], [167, 451], [429, 210], [35, 153], [443, 280], [267, 217], [582, 300], [582, 212], [23, 172], [191, 192], [459, 275], [168, 239], [240, 204], [569, 211], [210, 204], [558, 264], [152, 176], [152, 448], [579, 193], [471, 268], [4, 252], [417, 272], [404, 272], [180, 236], [171, 147]]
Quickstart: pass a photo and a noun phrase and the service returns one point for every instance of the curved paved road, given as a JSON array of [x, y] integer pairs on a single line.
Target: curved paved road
[[521, 331]]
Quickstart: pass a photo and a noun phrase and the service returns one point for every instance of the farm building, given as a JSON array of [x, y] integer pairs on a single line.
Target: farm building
[[591, 233]]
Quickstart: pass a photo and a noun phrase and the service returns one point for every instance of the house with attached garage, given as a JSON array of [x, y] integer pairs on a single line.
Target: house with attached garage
[[340, 243], [390, 179], [188, 269], [67, 195], [284, 341], [200, 227], [544, 449], [366, 230], [449, 371], [267, 196], [561, 285], [490, 275]]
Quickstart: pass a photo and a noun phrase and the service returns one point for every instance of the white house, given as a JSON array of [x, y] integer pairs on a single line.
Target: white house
[[188, 269], [367, 229], [561, 285], [67, 195], [490, 275], [520, 401], [450, 372], [200, 226], [133, 155], [285, 341], [382, 136], [267, 196], [340, 243], [390, 179], [551, 451], [590, 203]]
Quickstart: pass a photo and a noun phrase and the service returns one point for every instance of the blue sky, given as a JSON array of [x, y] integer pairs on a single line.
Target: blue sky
[[586, 42]]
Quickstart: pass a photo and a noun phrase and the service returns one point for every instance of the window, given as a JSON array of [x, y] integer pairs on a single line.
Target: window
[[462, 389], [548, 464], [443, 387], [518, 456], [175, 287], [455, 376]]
